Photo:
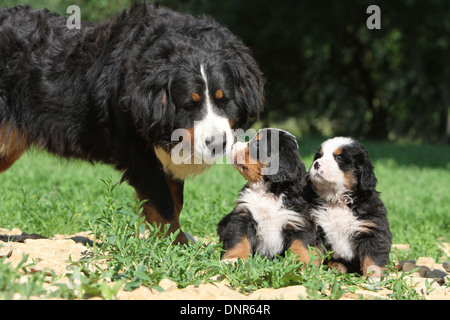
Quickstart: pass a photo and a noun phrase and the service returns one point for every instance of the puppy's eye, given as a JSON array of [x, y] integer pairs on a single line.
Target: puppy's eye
[[254, 145], [339, 159]]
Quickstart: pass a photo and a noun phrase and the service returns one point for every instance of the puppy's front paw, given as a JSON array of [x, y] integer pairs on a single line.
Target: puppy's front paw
[[338, 266], [231, 261], [373, 274]]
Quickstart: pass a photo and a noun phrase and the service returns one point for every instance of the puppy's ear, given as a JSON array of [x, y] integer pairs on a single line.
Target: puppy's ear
[[367, 180], [291, 167], [284, 175]]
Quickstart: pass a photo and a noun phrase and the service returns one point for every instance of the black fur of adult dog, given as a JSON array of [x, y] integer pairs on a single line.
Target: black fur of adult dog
[[114, 92]]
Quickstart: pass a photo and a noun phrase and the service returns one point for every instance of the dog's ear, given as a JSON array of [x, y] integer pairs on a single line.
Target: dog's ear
[[148, 100], [285, 173], [290, 165], [367, 179], [248, 82]]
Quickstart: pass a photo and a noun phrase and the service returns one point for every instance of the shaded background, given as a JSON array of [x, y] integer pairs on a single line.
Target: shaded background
[[327, 74]]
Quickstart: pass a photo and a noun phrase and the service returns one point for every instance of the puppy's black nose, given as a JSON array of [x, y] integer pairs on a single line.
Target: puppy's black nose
[[217, 145], [316, 165]]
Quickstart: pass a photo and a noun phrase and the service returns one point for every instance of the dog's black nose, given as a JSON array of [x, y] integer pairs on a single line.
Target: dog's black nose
[[217, 145], [316, 165]]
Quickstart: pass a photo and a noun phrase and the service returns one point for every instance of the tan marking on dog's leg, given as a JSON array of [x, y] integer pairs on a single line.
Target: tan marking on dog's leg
[[338, 266], [13, 143], [152, 216], [370, 269], [299, 248], [240, 251]]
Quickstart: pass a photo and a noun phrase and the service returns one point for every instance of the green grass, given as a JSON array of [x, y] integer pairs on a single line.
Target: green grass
[[45, 195]]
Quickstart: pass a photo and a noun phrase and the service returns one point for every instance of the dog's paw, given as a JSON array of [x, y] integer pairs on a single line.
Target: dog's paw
[[231, 261], [338, 266], [373, 274]]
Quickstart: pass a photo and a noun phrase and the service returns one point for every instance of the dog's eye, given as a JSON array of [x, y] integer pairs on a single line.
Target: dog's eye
[[254, 145], [195, 97], [339, 159], [219, 94]]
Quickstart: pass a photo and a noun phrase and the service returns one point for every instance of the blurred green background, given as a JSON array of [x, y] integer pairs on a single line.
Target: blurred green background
[[327, 73]]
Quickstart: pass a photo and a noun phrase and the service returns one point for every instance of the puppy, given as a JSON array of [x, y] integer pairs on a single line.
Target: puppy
[[270, 215], [350, 218]]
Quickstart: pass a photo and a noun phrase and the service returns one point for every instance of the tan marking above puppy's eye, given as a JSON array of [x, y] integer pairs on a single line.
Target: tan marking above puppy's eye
[[338, 152], [219, 94], [259, 136], [195, 97]]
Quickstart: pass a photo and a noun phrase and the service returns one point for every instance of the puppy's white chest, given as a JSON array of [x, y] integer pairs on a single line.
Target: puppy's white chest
[[268, 212], [339, 225]]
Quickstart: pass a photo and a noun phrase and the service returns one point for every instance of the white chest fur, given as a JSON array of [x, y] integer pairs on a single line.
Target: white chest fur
[[339, 225], [271, 217]]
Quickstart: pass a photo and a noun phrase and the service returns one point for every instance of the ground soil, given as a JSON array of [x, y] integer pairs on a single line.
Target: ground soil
[[430, 281]]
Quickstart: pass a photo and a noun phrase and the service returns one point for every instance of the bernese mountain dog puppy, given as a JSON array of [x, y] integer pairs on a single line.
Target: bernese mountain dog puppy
[[116, 91], [271, 215], [350, 218]]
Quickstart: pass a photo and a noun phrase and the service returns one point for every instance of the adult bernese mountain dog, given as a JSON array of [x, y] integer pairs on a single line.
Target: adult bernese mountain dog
[[271, 215], [115, 91], [349, 215]]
